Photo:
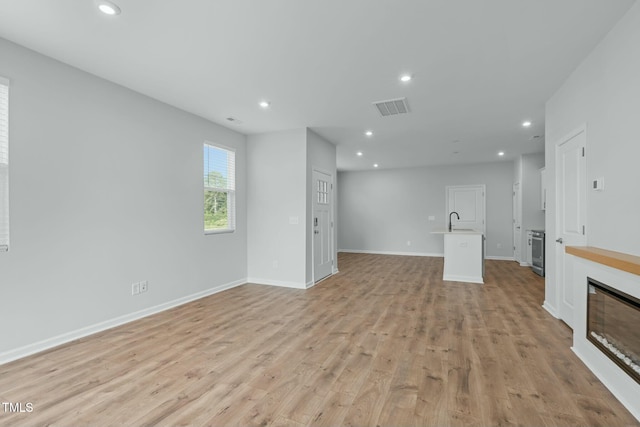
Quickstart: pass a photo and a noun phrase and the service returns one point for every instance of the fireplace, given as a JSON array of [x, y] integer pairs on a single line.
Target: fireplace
[[613, 319]]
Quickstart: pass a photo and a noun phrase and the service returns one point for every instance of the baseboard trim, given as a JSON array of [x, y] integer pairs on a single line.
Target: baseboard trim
[[425, 254], [46, 344], [499, 258], [359, 251], [550, 309], [466, 279], [280, 283]]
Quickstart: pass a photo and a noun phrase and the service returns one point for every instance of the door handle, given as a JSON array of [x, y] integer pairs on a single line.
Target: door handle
[[559, 240]]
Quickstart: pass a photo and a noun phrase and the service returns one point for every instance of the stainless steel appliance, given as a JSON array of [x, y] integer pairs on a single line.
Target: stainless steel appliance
[[537, 252]]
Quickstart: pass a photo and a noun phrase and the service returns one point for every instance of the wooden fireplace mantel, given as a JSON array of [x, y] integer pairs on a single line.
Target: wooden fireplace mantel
[[618, 260]]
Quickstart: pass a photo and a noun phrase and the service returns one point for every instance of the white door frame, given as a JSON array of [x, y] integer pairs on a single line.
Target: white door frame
[[560, 265], [517, 222], [331, 221]]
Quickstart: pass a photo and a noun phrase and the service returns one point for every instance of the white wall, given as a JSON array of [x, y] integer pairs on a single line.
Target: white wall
[[280, 165], [530, 185], [603, 93], [106, 190], [379, 211], [532, 213], [277, 177], [321, 155]]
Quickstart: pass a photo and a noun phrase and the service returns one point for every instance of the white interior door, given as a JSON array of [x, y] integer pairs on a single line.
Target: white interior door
[[517, 223], [469, 202], [570, 220], [322, 225]]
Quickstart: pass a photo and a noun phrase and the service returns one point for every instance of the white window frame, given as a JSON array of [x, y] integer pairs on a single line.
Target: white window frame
[[230, 189], [4, 164]]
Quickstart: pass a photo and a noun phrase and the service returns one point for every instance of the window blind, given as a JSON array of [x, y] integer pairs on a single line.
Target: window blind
[[219, 188], [4, 165]]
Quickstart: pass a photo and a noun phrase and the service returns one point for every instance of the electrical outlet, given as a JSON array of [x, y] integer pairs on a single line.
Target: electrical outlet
[[408, 242], [135, 289], [275, 264], [499, 245], [144, 286]]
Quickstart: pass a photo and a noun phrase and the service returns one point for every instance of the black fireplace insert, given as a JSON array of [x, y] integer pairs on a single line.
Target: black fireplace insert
[[613, 325]]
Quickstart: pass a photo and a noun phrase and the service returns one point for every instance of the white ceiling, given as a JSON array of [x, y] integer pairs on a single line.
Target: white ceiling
[[480, 67]]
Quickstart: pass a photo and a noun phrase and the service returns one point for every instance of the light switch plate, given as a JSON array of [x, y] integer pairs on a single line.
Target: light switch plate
[[598, 184]]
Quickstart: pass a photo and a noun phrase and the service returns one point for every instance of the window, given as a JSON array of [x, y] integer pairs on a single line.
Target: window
[[219, 189], [4, 165], [323, 192]]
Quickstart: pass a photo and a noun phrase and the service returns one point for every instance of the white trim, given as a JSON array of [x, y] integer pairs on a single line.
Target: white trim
[[332, 205], [282, 284], [558, 254], [466, 279], [524, 264], [552, 311], [219, 231], [230, 190], [499, 258], [5, 229], [425, 254], [217, 145], [358, 251], [29, 349]]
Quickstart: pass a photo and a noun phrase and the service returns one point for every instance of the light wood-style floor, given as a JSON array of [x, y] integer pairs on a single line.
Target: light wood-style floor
[[385, 342]]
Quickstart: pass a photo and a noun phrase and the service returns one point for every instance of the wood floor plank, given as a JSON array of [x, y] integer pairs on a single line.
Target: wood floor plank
[[367, 405], [384, 342]]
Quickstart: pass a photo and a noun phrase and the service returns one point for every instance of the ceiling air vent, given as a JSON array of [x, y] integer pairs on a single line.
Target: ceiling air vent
[[392, 107], [234, 120]]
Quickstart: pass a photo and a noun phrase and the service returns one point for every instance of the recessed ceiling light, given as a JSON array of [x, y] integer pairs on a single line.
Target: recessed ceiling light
[[359, 153], [264, 104], [526, 123], [108, 8], [375, 165], [369, 133], [405, 78], [500, 153]]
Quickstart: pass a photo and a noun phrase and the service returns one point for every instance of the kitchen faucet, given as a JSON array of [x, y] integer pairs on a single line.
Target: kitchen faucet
[[453, 212]]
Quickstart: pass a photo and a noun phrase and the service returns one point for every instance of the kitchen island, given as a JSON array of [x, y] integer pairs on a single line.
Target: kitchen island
[[463, 255]]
